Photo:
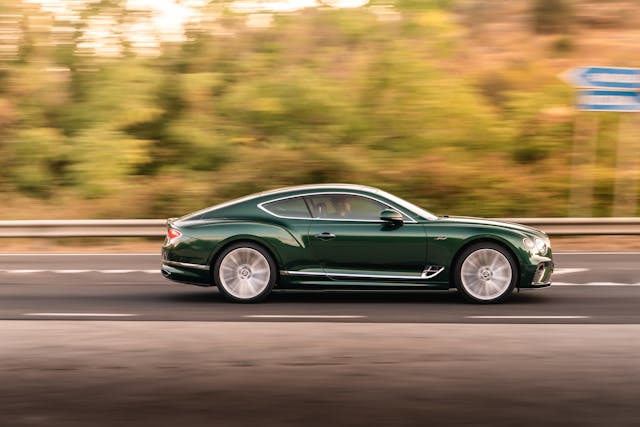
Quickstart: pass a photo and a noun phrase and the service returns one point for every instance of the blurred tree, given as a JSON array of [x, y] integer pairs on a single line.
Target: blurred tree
[[95, 103], [551, 16]]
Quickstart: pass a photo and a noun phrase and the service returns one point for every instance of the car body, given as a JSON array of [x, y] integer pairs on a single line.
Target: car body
[[333, 236]]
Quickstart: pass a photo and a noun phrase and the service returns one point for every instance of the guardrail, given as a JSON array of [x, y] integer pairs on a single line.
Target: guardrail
[[157, 227], [84, 228]]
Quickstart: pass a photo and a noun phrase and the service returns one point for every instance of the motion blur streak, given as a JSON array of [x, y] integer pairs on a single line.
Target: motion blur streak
[[317, 374], [150, 109], [155, 108]]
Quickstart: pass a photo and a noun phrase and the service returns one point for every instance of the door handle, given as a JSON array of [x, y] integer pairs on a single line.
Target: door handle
[[325, 236]]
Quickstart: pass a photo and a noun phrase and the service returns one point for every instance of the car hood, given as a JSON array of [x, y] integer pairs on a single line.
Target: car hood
[[492, 223]]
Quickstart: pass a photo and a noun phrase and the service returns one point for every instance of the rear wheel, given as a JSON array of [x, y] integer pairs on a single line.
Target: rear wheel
[[244, 272], [486, 273]]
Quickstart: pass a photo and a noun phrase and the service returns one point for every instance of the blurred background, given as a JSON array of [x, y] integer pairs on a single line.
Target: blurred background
[[154, 108]]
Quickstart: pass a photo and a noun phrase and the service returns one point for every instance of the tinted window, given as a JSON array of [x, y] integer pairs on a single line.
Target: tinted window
[[345, 206], [292, 208]]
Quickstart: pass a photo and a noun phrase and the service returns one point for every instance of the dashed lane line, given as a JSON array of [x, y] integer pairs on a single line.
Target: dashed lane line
[[81, 314], [595, 284], [302, 316], [598, 253], [80, 254], [528, 317], [559, 271], [18, 271]]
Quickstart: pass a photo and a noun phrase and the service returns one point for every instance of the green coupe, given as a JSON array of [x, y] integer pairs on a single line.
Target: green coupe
[[339, 236]]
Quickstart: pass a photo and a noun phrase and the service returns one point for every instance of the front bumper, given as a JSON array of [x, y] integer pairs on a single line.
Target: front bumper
[[542, 276], [537, 274]]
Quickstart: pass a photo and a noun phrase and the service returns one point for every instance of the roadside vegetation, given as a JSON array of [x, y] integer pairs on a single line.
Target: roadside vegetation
[[455, 105]]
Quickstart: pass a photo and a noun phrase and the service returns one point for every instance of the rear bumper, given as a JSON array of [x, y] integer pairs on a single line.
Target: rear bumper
[[185, 274]]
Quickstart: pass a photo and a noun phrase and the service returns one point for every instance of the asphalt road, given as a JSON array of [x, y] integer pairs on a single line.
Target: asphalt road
[[588, 288], [104, 340]]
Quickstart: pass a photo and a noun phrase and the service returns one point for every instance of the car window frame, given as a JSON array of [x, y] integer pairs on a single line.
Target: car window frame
[[406, 217]]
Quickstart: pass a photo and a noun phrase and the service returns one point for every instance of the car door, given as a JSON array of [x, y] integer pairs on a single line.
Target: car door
[[351, 243]]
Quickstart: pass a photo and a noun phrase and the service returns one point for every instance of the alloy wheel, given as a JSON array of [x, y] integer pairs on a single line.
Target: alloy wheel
[[486, 274], [244, 273]]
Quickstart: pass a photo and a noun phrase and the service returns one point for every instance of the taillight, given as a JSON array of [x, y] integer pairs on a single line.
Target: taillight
[[173, 234]]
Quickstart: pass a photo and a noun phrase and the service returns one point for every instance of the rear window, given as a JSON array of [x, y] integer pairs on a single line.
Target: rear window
[[294, 207]]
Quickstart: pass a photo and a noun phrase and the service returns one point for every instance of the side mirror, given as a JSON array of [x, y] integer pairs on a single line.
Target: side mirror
[[392, 216]]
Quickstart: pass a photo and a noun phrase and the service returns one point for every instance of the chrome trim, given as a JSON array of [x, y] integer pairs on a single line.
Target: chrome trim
[[186, 264], [362, 276], [301, 273], [410, 220], [431, 271]]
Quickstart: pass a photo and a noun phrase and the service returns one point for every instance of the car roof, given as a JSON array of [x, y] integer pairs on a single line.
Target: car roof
[[316, 187], [285, 192]]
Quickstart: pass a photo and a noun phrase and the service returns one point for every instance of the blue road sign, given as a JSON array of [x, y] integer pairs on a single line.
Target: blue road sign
[[608, 100], [604, 77]]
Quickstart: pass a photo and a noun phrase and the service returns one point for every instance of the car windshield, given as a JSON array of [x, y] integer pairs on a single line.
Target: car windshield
[[408, 205]]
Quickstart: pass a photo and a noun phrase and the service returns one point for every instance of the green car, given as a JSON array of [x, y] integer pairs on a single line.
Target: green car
[[340, 236]]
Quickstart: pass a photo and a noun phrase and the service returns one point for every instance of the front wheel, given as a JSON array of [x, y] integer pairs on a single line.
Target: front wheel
[[244, 272], [486, 273]]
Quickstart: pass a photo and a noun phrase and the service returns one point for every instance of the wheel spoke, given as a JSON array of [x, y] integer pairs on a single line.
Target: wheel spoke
[[244, 273], [486, 274]]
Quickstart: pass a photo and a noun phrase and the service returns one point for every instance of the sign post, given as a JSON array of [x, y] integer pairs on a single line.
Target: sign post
[[610, 89]]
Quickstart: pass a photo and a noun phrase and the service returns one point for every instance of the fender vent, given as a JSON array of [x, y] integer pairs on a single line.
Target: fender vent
[[431, 271]]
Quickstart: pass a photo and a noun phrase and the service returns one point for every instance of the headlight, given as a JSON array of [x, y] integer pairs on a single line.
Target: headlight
[[537, 246], [528, 243]]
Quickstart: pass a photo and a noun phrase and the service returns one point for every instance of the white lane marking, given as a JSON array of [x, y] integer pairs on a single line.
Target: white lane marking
[[568, 270], [93, 254], [23, 271], [80, 271], [71, 271], [116, 271], [82, 314], [596, 253], [302, 316], [594, 284], [158, 254], [528, 317]]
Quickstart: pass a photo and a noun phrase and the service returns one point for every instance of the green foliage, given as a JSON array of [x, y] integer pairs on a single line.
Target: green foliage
[[38, 160], [102, 158], [563, 44], [325, 95], [424, 4]]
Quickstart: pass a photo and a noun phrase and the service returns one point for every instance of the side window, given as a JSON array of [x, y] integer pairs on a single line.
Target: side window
[[291, 208], [345, 206]]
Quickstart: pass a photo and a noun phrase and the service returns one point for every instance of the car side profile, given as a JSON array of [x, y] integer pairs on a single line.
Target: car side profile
[[343, 236]]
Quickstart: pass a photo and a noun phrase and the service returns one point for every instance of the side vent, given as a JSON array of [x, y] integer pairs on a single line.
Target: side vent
[[431, 271]]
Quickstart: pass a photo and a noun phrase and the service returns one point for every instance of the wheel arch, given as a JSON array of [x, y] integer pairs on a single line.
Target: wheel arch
[[245, 238]]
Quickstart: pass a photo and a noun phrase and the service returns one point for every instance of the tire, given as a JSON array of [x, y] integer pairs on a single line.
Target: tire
[[244, 272], [486, 273]]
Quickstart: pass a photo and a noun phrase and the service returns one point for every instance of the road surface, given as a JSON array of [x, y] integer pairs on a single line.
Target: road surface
[[105, 340]]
